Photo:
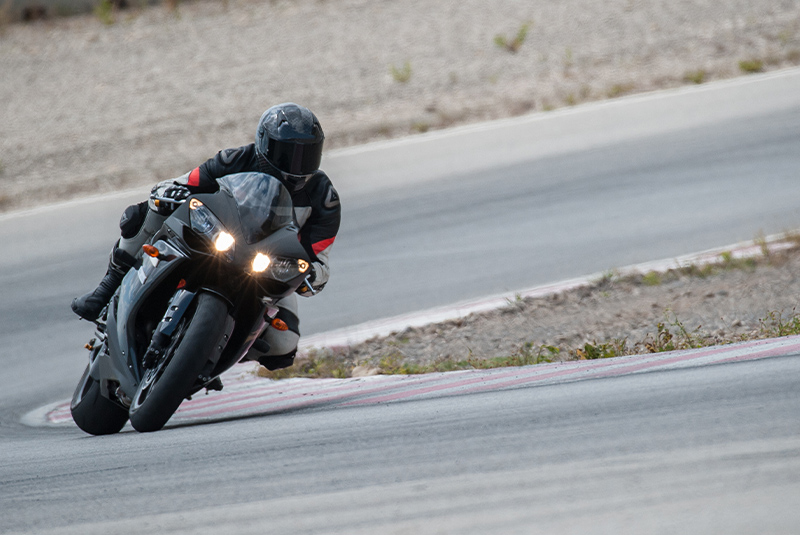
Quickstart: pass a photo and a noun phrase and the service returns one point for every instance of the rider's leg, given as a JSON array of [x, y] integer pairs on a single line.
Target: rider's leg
[[282, 344], [138, 224]]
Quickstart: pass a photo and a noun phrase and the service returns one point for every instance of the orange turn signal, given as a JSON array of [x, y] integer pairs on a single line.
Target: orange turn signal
[[150, 250], [279, 324]]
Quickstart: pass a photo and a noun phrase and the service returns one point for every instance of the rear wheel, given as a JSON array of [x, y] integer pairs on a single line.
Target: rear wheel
[[166, 384], [93, 412]]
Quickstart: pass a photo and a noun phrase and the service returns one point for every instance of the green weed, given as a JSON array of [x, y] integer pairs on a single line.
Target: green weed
[[651, 278], [761, 241], [605, 350], [105, 12], [401, 75], [316, 364], [618, 90], [775, 325], [513, 45], [695, 77], [751, 65], [421, 127]]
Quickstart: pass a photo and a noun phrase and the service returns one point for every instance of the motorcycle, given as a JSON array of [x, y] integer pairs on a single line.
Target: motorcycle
[[206, 286]]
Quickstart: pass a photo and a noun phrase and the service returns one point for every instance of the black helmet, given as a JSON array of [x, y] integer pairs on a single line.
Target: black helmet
[[290, 138]]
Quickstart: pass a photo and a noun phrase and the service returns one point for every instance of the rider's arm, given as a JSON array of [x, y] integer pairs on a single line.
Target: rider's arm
[[319, 232], [203, 179]]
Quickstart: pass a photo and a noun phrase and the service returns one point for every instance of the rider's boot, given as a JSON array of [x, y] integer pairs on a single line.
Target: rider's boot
[[137, 226], [90, 305]]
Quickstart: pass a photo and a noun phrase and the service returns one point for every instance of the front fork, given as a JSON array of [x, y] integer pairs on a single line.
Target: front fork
[[166, 327]]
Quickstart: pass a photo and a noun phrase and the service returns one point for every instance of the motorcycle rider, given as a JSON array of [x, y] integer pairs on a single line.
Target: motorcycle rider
[[288, 146]]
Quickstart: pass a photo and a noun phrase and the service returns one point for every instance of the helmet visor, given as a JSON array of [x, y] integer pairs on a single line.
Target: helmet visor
[[294, 158]]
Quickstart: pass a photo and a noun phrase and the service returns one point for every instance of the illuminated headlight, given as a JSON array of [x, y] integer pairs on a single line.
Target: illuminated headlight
[[204, 222], [282, 269], [224, 241], [261, 262]]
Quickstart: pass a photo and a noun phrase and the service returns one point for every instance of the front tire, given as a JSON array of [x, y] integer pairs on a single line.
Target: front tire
[[164, 386], [93, 412]]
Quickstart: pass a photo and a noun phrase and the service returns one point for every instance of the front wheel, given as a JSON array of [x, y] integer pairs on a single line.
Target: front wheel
[[93, 412], [165, 385]]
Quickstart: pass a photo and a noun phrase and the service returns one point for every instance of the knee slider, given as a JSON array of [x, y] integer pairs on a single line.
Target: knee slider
[[132, 219], [277, 362]]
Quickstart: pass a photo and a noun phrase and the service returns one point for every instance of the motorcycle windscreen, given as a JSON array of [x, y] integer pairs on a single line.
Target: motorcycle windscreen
[[263, 203]]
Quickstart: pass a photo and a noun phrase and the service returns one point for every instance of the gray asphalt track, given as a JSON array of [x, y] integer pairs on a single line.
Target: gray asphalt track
[[429, 221]]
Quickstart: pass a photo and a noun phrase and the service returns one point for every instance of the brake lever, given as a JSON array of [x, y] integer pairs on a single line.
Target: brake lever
[[308, 285], [167, 203]]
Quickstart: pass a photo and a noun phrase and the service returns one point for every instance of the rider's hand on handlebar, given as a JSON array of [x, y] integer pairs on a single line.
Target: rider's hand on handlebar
[[306, 289], [177, 193], [167, 196]]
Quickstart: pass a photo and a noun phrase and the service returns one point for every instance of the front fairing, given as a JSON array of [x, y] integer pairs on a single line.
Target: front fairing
[[188, 260], [256, 210], [136, 289]]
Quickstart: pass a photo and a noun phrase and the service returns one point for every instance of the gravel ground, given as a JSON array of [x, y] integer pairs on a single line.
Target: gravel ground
[[89, 107]]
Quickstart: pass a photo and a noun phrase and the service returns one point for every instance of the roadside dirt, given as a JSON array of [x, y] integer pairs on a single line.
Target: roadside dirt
[[89, 107], [695, 306]]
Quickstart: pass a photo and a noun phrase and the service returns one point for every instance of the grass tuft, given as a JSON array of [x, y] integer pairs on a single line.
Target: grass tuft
[[105, 11], [420, 126], [695, 77], [513, 45], [651, 278], [401, 75], [617, 90], [751, 65]]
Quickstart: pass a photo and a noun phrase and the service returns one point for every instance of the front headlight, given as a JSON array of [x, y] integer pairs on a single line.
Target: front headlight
[[224, 241], [260, 263], [204, 222], [280, 269]]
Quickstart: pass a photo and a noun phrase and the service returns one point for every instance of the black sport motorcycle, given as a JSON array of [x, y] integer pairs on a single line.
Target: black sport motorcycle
[[192, 307]]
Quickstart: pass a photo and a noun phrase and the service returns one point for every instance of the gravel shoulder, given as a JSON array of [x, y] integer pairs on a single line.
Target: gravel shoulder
[[731, 300]]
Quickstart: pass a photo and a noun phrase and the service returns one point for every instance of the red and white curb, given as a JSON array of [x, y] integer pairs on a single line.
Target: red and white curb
[[249, 395]]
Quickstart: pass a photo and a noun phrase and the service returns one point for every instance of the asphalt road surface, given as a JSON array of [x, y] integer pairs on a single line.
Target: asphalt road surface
[[429, 221]]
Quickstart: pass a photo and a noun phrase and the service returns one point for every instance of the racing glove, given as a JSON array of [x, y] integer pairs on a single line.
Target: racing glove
[[166, 196]]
